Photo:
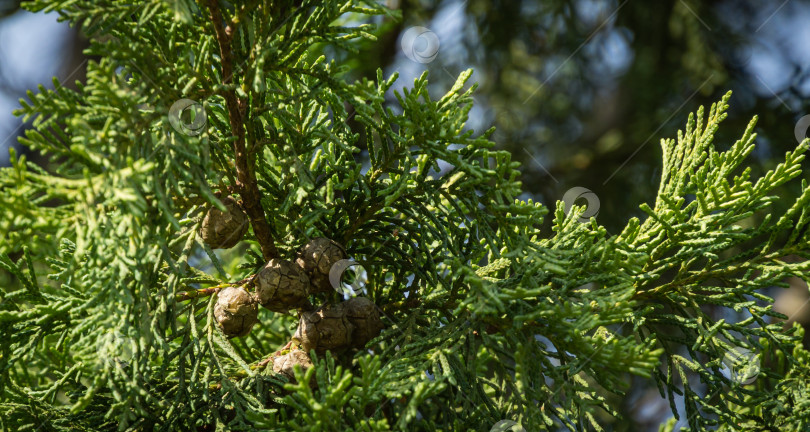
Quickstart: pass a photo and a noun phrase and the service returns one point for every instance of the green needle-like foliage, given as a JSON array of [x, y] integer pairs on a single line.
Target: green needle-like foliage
[[486, 317]]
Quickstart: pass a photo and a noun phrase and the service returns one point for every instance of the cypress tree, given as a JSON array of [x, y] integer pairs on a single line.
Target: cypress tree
[[212, 247]]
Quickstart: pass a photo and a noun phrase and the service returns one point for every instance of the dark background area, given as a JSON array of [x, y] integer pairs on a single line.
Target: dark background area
[[580, 92]]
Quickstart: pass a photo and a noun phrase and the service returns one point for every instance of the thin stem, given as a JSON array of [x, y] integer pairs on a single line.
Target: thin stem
[[205, 292], [188, 295], [246, 183]]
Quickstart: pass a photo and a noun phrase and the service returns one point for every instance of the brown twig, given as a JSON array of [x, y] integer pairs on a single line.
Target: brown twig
[[246, 183]]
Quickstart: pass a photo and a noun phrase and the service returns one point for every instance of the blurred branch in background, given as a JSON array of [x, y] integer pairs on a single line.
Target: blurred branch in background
[[579, 89], [34, 48], [8, 7]]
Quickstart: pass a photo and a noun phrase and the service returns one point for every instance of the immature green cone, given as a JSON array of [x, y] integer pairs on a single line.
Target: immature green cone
[[316, 258], [281, 286], [236, 311], [223, 230], [324, 329]]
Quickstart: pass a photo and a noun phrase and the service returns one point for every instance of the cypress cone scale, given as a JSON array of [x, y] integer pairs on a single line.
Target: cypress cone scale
[[284, 364], [281, 286], [365, 317], [223, 230], [324, 329], [350, 324], [236, 311], [316, 258]]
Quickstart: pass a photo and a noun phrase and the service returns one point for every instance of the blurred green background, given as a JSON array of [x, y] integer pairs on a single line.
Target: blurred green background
[[580, 92]]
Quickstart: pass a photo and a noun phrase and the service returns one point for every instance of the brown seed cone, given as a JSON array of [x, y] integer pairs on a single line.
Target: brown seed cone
[[284, 364], [236, 311], [316, 258], [223, 230], [365, 317], [281, 286], [324, 329]]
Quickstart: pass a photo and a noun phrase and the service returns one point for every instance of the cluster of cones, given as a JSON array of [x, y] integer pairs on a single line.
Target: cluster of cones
[[281, 286]]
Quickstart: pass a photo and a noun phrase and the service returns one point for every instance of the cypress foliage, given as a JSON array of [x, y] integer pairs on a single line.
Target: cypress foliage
[[485, 318]]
